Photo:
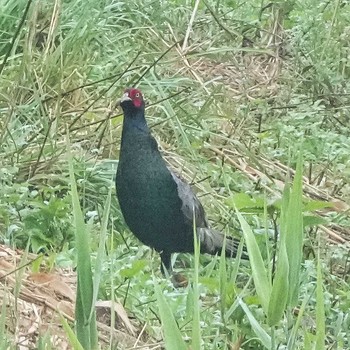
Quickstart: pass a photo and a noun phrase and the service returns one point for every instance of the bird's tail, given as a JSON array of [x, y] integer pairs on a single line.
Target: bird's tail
[[212, 241]]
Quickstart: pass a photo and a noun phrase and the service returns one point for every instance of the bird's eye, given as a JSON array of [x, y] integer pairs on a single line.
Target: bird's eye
[[137, 95]]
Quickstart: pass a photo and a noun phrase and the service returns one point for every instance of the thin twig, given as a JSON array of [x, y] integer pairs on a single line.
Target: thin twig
[[21, 267], [63, 94], [104, 91], [190, 25]]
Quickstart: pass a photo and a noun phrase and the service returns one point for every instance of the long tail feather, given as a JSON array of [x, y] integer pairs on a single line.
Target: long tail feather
[[212, 242]]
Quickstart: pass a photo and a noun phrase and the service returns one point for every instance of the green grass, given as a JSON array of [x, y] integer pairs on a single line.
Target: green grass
[[63, 66]]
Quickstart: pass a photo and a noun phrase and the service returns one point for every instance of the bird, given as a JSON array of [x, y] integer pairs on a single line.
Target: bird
[[158, 206]]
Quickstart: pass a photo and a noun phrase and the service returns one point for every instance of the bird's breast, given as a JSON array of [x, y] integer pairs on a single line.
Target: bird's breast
[[149, 199]]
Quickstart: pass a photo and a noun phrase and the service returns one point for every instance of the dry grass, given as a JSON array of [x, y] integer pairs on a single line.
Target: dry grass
[[35, 302], [250, 72]]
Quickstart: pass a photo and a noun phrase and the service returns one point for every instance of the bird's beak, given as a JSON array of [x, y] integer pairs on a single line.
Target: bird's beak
[[125, 98]]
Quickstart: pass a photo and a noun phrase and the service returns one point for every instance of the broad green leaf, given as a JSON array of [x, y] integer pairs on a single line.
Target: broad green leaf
[[101, 252], [292, 231], [317, 205], [279, 294], [310, 220], [239, 200], [172, 335], [85, 324], [244, 201], [259, 272], [136, 267], [256, 327]]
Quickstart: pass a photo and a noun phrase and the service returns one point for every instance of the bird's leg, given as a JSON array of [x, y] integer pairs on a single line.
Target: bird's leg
[[166, 267], [177, 279]]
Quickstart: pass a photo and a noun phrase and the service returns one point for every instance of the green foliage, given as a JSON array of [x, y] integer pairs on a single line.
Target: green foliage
[[73, 339], [172, 335], [3, 341], [85, 313], [196, 327], [259, 271], [292, 233], [285, 290], [280, 288], [320, 309], [70, 62]]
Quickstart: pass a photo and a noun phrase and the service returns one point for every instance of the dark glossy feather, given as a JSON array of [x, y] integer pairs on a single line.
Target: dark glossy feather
[[157, 205]]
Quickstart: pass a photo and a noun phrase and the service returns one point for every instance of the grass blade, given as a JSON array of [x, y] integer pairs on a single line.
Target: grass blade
[[196, 328], [85, 325], [258, 330], [172, 335], [293, 233], [74, 342], [100, 252], [279, 295], [3, 340], [259, 272], [320, 312], [291, 344], [223, 282]]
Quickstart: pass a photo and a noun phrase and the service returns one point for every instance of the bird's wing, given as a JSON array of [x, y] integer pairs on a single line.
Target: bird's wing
[[211, 240], [191, 206]]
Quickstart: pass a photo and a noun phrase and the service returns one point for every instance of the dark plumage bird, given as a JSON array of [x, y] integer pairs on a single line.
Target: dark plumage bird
[[157, 205]]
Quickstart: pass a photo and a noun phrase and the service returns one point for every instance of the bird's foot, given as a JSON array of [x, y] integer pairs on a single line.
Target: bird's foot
[[178, 280]]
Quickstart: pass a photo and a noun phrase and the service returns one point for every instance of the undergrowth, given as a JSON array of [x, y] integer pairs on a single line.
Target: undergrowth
[[233, 88]]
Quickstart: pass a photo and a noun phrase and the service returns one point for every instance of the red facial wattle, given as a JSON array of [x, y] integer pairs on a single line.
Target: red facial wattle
[[137, 103], [135, 96]]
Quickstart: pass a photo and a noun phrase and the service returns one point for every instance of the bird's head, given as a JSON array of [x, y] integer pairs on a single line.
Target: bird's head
[[132, 97]]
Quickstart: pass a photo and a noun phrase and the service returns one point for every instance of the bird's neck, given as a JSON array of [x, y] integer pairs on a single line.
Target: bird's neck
[[135, 122], [136, 134]]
